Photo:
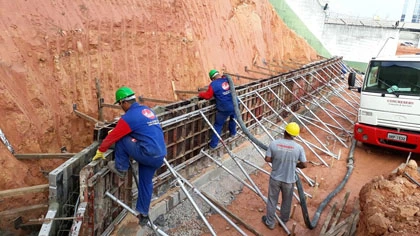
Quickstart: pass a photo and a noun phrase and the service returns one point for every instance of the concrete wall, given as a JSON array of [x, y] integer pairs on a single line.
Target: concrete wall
[[359, 43], [354, 39], [311, 12]]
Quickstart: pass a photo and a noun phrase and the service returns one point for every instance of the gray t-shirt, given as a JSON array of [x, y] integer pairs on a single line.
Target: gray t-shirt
[[285, 154]]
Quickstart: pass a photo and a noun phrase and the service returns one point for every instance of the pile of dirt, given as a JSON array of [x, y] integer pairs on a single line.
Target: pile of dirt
[[391, 205]]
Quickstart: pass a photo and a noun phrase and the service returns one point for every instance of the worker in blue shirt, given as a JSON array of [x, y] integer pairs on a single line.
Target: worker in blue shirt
[[219, 89]]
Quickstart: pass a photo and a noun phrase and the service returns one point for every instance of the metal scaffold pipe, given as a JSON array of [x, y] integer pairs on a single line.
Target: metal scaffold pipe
[[326, 99], [307, 108], [214, 207], [321, 80], [254, 186], [197, 209], [308, 144]]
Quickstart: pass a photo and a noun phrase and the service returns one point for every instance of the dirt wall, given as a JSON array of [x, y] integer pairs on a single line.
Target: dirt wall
[[53, 51]]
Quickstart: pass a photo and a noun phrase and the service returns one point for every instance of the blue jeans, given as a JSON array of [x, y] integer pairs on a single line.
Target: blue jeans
[[129, 147], [221, 117]]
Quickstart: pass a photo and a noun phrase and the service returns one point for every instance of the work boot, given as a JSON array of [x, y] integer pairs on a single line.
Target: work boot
[[264, 220], [143, 219], [113, 169]]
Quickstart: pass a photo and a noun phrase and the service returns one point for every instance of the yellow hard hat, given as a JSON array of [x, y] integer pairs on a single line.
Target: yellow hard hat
[[293, 129]]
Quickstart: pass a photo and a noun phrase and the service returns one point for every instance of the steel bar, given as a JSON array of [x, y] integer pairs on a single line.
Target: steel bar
[[357, 82], [256, 120], [334, 90], [411, 178], [307, 128], [6, 142], [121, 203], [111, 106], [315, 121], [142, 99], [247, 226], [309, 145], [100, 100], [313, 113], [342, 98], [268, 173], [187, 92], [268, 69], [325, 99], [343, 89], [135, 213], [84, 116], [235, 176], [214, 207], [254, 71], [77, 218], [284, 121], [310, 181], [256, 189], [341, 115], [28, 156], [408, 158], [241, 76], [189, 197]]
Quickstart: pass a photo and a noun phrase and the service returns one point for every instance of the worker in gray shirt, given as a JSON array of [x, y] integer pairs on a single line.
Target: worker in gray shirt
[[285, 155]]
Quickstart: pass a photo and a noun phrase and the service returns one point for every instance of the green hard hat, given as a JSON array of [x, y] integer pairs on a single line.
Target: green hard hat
[[212, 73], [122, 93]]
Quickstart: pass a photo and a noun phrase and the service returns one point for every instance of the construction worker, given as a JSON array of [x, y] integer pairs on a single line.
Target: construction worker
[[138, 135], [220, 90], [285, 155]]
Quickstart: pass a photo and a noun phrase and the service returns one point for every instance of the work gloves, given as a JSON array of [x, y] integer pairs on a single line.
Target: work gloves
[[98, 155]]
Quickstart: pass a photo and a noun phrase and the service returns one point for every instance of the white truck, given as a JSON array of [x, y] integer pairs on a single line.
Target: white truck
[[389, 113]]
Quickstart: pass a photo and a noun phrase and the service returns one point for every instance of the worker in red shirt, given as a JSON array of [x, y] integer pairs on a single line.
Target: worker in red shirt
[[220, 90], [138, 135]]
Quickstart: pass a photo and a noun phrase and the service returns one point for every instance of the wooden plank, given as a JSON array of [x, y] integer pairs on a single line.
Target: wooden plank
[[327, 221], [352, 229], [343, 224], [23, 209], [337, 216], [29, 156], [25, 190]]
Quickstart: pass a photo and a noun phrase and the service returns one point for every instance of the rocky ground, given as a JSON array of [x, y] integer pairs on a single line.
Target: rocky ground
[[390, 204]]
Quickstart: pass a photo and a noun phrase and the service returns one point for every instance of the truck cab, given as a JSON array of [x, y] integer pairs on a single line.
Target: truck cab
[[389, 113]]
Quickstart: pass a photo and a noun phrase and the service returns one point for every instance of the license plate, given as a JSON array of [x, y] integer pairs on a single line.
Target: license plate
[[397, 137]]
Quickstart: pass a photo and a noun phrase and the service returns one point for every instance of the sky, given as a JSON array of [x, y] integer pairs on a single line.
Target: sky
[[384, 9]]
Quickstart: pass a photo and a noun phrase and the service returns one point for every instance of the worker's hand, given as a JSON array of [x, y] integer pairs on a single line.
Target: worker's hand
[[98, 155]]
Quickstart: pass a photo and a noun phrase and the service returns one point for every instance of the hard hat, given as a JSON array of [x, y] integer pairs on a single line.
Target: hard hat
[[122, 93], [293, 129], [213, 73]]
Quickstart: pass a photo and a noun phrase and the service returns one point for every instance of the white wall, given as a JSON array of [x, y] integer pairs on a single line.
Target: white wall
[[355, 39], [359, 43], [311, 13]]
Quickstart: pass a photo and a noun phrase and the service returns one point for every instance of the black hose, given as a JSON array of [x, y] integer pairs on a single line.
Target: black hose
[[312, 224], [350, 164], [239, 115]]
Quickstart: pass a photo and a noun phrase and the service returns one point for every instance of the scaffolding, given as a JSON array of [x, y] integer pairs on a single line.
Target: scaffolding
[[266, 106]]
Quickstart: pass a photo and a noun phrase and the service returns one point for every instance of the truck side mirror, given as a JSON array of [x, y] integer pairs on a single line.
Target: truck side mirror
[[351, 79]]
